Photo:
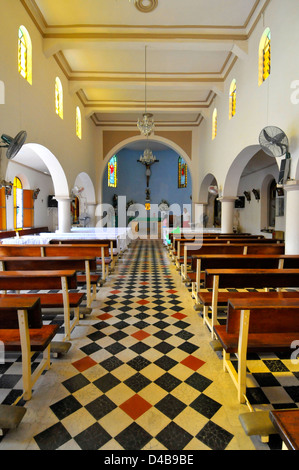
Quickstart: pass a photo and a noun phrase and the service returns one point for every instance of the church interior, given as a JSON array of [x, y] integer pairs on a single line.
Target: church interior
[[149, 226]]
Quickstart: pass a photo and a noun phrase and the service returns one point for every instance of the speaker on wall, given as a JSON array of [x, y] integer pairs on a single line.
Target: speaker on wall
[[52, 202], [240, 202]]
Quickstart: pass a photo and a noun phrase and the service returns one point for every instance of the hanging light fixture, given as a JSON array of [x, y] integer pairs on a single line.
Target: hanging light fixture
[[145, 6], [146, 125], [147, 158]]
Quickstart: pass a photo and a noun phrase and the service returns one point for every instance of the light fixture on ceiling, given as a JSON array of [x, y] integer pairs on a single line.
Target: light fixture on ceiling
[[146, 125], [145, 6], [147, 158]]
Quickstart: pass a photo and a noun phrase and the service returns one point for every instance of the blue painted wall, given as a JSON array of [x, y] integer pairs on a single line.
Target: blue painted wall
[[163, 181]]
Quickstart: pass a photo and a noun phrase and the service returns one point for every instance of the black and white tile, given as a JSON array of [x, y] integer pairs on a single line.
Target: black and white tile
[[141, 373]]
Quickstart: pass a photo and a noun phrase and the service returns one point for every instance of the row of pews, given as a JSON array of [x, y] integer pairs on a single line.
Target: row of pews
[[60, 267], [255, 285]]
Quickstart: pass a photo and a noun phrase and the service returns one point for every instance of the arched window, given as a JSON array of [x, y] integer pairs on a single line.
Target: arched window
[[25, 54], [3, 208], [182, 173], [18, 203], [58, 98], [78, 123], [232, 99], [214, 124], [112, 172], [265, 56]]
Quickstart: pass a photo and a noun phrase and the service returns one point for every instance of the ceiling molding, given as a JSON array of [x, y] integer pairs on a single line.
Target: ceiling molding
[[183, 89]]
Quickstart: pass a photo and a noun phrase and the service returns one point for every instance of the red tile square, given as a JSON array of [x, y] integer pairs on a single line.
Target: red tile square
[[192, 362], [143, 302], [179, 315], [171, 291], [115, 291], [104, 316], [140, 335], [84, 364], [144, 283], [135, 406]]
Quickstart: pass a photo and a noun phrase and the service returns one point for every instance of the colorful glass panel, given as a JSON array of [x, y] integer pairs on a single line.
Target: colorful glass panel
[[182, 173], [265, 56], [78, 123], [232, 99], [25, 54], [214, 124], [58, 98], [112, 172]]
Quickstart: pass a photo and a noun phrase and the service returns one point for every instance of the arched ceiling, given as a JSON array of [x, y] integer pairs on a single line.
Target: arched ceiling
[[192, 45]]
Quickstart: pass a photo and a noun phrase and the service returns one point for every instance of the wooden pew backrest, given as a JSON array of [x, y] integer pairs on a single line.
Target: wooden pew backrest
[[9, 317]]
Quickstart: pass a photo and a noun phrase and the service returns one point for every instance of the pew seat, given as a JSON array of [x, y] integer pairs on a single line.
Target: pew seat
[[256, 325], [22, 329]]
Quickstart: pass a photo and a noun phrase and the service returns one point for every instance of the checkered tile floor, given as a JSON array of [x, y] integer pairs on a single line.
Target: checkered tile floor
[[141, 373]]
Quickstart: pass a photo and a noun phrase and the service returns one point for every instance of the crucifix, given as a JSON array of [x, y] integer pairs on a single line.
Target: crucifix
[[147, 159]]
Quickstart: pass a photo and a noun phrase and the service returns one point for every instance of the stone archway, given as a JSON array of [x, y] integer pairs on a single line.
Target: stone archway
[[33, 152], [154, 138]]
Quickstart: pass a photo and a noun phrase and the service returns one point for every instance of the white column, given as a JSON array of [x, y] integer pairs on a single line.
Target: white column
[[198, 211], [91, 210], [64, 214], [227, 213], [292, 217]]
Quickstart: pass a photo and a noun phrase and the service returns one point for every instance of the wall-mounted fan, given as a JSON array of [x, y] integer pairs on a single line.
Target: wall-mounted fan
[[213, 190], [275, 143], [13, 145]]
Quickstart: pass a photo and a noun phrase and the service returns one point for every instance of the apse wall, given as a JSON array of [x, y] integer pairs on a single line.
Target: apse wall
[[163, 180]]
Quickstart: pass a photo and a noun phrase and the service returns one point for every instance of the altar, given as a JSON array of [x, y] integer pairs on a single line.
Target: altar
[[144, 226]]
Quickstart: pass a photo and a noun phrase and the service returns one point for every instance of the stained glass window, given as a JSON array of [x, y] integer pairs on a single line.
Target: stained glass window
[[214, 124], [112, 172], [18, 203], [182, 173], [232, 99], [25, 54], [58, 98], [78, 123], [265, 56]]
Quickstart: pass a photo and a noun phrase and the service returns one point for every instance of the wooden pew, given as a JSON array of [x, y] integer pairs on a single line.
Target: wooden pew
[[86, 264], [232, 261], [22, 329], [99, 251], [112, 242], [216, 236], [287, 424], [190, 251], [44, 280], [228, 240], [241, 279], [177, 247], [255, 325]]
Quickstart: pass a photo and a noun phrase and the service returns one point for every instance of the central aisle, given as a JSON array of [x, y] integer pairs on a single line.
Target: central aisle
[[141, 373]]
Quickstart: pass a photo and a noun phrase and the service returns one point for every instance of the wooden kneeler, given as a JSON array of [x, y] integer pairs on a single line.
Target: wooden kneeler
[[10, 417]]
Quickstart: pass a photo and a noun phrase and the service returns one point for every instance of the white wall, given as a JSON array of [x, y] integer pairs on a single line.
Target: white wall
[[31, 107], [257, 107]]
